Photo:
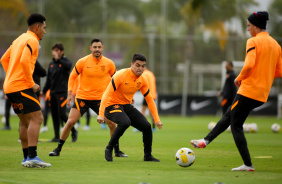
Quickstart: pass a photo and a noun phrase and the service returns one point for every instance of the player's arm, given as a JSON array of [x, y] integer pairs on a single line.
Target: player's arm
[[6, 59], [77, 69], [151, 104], [249, 61], [278, 70], [25, 61], [112, 69]]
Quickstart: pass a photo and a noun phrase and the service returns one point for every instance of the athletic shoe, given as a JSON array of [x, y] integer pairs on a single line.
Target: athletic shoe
[[55, 152], [109, 155], [77, 125], [6, 128], [74, 136], [54, 140], [44, 129], [243, 168], [103, 126], [86, 127], [200, 143], [24, 160], [120, 154], [135, 130], [35, 162], [151, 159]]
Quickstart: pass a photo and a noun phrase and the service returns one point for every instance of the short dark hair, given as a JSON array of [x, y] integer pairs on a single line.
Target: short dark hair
[[58, 46], [140, 57], [230, 63], [96, 40], [35, 18]]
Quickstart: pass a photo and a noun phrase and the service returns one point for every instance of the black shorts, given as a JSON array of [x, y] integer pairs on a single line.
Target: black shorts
[[83, 105], [24, 101]]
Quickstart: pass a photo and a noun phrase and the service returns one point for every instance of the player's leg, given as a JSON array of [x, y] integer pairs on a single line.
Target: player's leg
[[24, 122], [7, 114], [117, 115], [239, 113], [55, 117], [63, 115], [45, 116]]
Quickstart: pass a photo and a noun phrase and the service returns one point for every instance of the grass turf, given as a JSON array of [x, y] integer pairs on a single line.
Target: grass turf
[[83, 161]]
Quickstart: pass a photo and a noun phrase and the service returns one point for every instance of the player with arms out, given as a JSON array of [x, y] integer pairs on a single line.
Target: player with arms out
[[262, 64], [116, 106], [19, 63], [95, 71]]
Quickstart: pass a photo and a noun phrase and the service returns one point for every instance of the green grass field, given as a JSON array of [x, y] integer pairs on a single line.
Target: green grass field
[[83, 161]]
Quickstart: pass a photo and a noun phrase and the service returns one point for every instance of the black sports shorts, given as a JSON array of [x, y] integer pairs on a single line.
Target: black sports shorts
[[83, 105], [25, 101]]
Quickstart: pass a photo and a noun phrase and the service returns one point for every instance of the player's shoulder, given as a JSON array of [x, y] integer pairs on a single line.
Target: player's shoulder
[[107, 60], [85, 58]]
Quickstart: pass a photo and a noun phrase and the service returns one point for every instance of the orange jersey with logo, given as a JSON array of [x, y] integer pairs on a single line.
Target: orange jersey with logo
[[95, 75], [19, 62], [122, 88], [262, 64], [152, 82]]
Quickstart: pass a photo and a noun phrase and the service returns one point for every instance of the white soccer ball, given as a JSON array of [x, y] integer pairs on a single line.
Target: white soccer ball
[[246, 127], [253, 127], [275, 128], [185, 157], [211, 125], [3, 120]]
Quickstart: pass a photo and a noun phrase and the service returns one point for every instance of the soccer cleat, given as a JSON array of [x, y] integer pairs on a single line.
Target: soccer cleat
[[55, 152], [200, 143], [86, 127], [135, 130], [109, 155], [6, 128], [54, 140], [120, 154], [35, 162], [44, 129], [151, 159], [74, 136], [24, 160], [243, 168], [103, 126]]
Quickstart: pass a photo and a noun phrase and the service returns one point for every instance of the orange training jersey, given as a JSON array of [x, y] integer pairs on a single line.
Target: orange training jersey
[[76, 86], [122, 88], [152, 82], [95, 75], [262, 64], [19, 62]]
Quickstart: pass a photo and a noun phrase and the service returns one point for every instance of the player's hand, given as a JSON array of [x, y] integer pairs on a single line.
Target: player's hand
[[55, 55], [132, 102], [100, 119], [159, 124], [41, 94], [35, 88], [237, 83], [70, 99]]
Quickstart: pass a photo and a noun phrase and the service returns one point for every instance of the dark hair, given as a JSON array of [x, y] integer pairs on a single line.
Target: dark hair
[[58, 46], [35, 18], [140, 57], [230, 63], [96, 40]]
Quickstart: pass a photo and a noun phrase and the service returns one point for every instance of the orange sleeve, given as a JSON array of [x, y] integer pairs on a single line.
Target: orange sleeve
[[25, 60], [249, 61], [278, 70], [77, 69], [150, 101], [5, 59], [76, 84], [112, 71]]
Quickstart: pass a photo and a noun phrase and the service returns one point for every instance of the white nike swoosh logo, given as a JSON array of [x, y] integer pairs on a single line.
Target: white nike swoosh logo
[[262, 106], [168, 105], [199, 105]]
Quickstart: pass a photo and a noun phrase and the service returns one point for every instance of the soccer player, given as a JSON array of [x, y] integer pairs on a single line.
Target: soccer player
[[116, 106], [262, 64], [19, 63], [57, 81], [95, 71], [153, 89], [229, 89]]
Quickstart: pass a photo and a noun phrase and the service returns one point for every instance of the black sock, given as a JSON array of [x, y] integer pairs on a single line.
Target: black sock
[[25, 152], [32, 151], [116, 148], [60, 145], [109, 147]]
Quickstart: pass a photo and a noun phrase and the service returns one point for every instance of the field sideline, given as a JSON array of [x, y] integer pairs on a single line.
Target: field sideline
[[83, 161]]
